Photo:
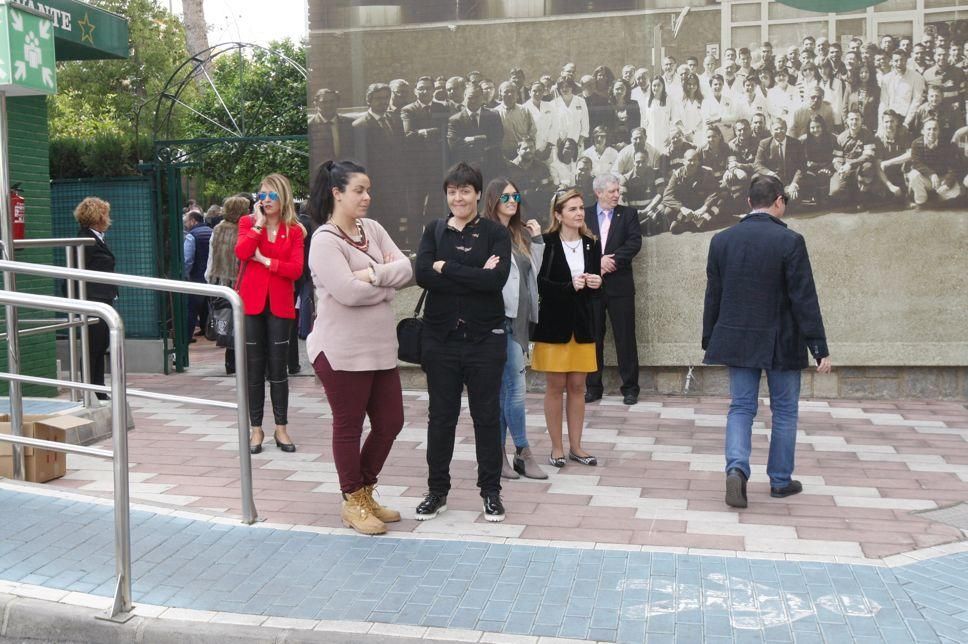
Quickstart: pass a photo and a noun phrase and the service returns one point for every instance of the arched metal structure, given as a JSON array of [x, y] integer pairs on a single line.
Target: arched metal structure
[[196, 70]]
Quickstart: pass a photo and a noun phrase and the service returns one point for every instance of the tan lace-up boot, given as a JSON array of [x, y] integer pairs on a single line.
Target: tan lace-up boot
[[357, 513], [381, 512]]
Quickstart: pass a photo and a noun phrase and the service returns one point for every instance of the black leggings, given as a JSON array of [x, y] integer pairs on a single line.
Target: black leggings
[[266, 355]]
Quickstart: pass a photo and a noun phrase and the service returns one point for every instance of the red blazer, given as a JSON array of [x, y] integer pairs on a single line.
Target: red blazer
[[277, 281]]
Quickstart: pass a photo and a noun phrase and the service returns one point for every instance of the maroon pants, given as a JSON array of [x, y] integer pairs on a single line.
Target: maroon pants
[[353, 395]]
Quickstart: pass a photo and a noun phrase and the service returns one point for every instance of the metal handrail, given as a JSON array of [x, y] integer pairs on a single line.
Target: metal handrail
[[121, 608], [37, 330], [249, 514], [54, 242]]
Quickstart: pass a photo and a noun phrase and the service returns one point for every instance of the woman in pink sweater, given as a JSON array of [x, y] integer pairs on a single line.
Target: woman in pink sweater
[[356, 269]]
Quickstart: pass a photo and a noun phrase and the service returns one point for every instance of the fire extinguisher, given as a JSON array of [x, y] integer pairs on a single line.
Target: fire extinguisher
[[19, 212]]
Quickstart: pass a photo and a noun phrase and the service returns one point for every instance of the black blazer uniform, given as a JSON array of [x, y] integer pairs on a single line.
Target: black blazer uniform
[[98, 258], [564, 312], [761, 309], [486, 153], [624, 241]]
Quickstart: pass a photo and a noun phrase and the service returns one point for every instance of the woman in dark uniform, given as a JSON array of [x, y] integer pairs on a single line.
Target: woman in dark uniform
[[94, 217]]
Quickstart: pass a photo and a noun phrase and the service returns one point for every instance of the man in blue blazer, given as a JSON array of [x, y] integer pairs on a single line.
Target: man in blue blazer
[[621, 235], [762, 313]]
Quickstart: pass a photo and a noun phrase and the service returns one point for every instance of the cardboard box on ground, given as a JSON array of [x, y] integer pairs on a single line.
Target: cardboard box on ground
[[40, 465]]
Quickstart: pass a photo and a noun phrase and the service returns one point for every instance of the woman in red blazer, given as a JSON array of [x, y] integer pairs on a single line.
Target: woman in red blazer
[[270, 247]]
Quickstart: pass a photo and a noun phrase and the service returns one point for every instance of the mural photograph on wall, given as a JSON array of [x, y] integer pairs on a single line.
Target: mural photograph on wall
[[854, 104]]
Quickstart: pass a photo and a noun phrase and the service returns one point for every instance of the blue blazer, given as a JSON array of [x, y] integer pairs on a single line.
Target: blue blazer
[[761, 307]]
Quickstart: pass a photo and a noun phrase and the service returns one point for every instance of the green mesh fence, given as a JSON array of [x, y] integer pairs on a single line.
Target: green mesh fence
[[132, 238]]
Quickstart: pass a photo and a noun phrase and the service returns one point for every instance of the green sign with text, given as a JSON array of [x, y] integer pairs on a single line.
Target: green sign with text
[[27, 62], [830, 6]]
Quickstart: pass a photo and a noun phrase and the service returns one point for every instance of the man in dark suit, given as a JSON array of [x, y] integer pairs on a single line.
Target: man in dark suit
[[378, 137], [475, 134], [762, 313], [424, 128], [618, 229], [781, 156], [330, 133]]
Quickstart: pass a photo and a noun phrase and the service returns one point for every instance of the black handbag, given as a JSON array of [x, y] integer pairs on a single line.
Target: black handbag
[[409, 334], [222, 322]]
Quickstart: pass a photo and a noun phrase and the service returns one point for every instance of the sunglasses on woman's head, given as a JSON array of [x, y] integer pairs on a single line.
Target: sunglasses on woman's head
[[262, 196], [508, 196]]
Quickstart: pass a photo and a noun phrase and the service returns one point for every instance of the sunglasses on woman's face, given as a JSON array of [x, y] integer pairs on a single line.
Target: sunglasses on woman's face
[[508, 196], [262, 196]]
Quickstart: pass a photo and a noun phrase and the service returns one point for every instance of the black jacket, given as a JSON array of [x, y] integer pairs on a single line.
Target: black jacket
[[564, 312], [464, 294], [624, 241], [98, 258], [761, 308], [485, 153]]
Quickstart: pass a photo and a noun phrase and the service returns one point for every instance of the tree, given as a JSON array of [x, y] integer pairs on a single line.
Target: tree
[[265, 97], [98, 97], [196, 29]]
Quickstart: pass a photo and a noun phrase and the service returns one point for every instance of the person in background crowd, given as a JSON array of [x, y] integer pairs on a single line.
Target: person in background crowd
[[781, 156], [516, 120], [463, 263], [270, 245], [834, 91], [936, 167], [603, 155], [814, 106], [759, 129], [533, 176], [213, 215], [624, 116], [475, 134], [782, 100], [864, 95], [935, 108], [502, 204], [761, 313], [489, 92], [620, 239], [196, 246], [571, 113], [625, 160], [692, 196], [564, 164], [743, 146], [400, 94], [564, 347], [657, 115], [330, 133], [749, 102], [93, 215], [893, 150], [902, 89], [543, 116], [424, 130], [516, 76], [717, 107], [356, 269], [708, 71], [378, 139], [945, 75], [455, 87], [687, 113], [223, 265], [818, 152], [855, 178]]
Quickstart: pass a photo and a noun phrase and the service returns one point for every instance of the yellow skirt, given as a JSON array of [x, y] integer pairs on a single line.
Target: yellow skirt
[[572, 357]]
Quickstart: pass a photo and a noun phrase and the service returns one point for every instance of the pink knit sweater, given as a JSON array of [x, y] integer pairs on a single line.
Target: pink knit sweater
[[355, 325]]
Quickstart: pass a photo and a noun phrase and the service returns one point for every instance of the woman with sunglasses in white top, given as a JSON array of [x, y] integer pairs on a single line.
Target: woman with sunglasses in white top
[[270, 248], [502, 203]]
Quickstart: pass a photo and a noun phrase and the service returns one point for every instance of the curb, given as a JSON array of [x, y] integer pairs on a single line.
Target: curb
[[26, 620]]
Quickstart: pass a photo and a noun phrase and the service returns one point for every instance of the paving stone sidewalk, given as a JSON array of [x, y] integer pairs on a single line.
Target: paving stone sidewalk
[[580, 593], [868, 468]]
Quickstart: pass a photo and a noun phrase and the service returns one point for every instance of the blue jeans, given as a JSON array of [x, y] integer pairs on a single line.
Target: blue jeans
[[513, 388], [744, 385]]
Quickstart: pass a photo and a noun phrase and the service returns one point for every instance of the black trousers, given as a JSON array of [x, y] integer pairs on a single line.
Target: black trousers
[[450, 365], [621, 313], [266, 355], [99, 339], [197, 313]]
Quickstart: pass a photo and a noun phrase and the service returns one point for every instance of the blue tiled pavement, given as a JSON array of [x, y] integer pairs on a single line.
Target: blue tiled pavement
[[566, 592], [40, 405]]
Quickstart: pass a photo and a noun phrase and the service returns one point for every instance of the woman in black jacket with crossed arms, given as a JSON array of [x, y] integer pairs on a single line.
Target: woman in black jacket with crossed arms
[[564, 340]]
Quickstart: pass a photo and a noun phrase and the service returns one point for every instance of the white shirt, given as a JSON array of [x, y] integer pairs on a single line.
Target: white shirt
[[575, 255], [544, 121], [720, 112], [901, 92], [783, 103], [571, 121], [601, 163]]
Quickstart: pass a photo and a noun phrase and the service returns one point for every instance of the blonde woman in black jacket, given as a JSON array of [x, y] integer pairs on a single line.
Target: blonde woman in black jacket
[[564, 347]]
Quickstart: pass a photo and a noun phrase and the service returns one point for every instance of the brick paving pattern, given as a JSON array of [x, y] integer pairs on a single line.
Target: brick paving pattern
[[865, 466]]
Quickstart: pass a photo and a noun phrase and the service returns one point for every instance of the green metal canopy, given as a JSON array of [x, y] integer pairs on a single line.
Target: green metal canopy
[[82, 31], [830, 6]]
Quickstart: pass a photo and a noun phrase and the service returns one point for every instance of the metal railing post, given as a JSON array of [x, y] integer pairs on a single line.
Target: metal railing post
[[71, 332], [122, 512], [88, 397], [249, 515]]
